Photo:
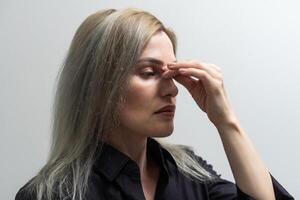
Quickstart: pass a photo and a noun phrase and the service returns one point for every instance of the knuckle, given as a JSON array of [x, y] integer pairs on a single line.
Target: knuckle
[[221, 84], [221, 77], [194, 62], [216, 67], [216, 90]]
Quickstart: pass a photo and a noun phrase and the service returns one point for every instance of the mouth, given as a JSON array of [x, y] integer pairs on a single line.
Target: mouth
[[167, 108], [167, 114], [168, 111]]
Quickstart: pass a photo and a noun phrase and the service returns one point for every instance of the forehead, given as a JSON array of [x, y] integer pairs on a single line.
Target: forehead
[[144, 62], [159, 49]]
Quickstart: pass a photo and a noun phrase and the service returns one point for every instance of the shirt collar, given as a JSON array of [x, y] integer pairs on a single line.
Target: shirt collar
[[111, 162]]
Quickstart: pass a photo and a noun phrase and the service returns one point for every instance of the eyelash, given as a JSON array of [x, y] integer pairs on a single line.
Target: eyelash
[[148, 74]]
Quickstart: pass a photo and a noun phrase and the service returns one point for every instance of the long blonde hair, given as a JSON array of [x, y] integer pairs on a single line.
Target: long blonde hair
[[91, 82]]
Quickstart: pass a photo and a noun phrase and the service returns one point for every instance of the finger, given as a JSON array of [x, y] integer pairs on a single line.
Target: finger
[[216, 67], [170, 73], [202, 75], [212, 69], [186, 81]]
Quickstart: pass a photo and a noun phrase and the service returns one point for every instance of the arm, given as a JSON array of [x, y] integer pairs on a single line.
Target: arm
[[221, 189], [205, 84], [249, 171]]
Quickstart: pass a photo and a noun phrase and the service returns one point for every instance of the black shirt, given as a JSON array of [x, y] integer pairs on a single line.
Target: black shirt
[[115, 176]]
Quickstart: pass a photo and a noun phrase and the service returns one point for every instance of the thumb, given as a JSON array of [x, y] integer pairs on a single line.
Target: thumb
[[187, 82]]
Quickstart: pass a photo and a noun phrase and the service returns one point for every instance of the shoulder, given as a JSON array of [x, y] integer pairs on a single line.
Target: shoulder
[[26, 192], [201, 161], [186, 155], [29, 191]]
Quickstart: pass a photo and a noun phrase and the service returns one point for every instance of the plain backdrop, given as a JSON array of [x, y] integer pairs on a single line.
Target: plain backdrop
[[256, 44]]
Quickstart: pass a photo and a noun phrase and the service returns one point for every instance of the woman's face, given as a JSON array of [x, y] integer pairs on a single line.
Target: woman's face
[[148, 91]]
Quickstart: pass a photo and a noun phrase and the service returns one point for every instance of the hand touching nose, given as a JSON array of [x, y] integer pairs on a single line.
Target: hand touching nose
[[204, 82]]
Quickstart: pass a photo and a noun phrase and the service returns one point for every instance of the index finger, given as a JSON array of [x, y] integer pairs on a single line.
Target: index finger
[[209, 68]]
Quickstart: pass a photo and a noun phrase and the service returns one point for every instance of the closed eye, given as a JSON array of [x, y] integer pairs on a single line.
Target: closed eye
[[148, 74], [150, 70]]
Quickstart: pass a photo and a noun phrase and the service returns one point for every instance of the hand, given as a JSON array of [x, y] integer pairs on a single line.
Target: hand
[[207, 89]]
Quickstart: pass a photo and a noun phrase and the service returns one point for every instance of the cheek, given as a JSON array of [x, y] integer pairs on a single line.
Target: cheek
[[137, 112], [140, 100], [137, 109], [141, 94]]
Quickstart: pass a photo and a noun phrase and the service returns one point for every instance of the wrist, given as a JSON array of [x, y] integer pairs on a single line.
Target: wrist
[[229, 122]]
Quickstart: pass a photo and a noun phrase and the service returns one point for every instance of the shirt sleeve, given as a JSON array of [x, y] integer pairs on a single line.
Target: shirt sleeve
[[23, 194], [222, 189]]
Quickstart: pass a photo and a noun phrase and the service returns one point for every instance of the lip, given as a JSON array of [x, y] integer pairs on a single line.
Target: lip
[[169, 109], [166, 114]]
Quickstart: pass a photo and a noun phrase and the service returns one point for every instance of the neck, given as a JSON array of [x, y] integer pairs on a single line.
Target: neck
[[132, 145]]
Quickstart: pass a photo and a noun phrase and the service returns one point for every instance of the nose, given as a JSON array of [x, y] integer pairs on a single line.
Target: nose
[[168, 87]]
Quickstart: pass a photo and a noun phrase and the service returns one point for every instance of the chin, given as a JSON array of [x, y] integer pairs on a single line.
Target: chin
[[164, 133]]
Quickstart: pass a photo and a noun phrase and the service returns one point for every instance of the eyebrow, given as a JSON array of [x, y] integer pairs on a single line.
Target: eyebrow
[[152, 60]]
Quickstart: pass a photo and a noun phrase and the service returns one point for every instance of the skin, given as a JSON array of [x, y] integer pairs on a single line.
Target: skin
[[148, 92], [204, 82]]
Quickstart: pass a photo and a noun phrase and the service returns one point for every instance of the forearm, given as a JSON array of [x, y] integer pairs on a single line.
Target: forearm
[[249, 171]]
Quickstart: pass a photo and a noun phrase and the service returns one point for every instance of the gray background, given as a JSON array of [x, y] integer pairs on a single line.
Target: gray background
[[256, 43]]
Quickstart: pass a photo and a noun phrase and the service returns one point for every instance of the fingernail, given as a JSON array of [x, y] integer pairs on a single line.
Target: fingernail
[[182, 70]]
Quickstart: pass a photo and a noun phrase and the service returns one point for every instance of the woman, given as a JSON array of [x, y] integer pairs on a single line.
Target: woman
[[115, 93]]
